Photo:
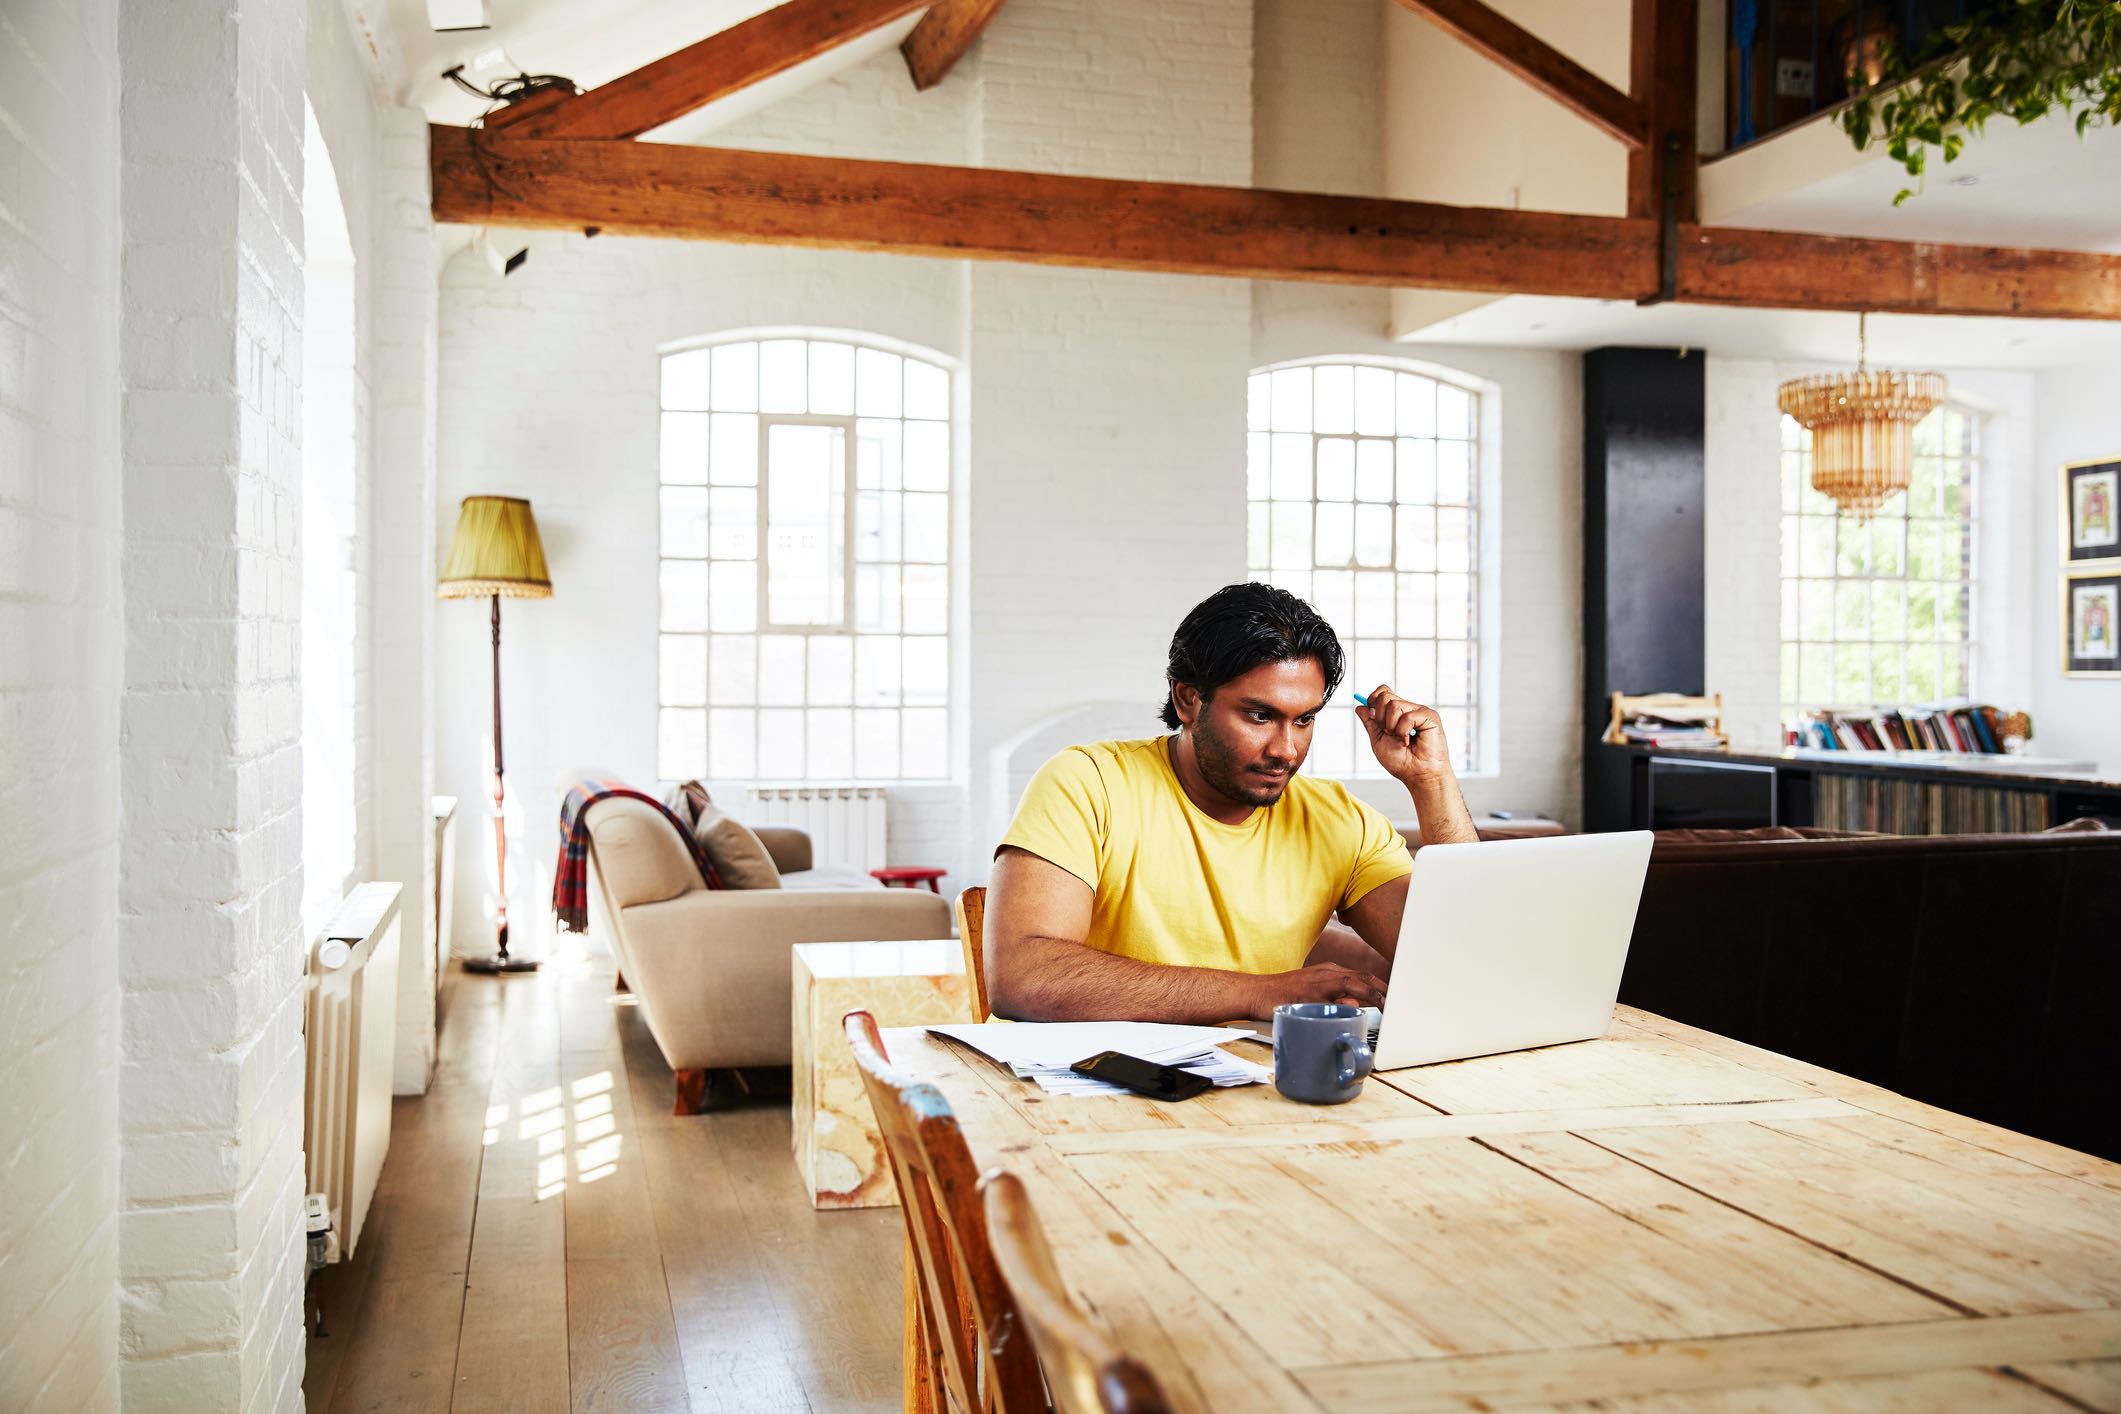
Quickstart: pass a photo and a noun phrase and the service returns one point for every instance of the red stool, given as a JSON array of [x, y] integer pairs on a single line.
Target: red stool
[[910, 875]]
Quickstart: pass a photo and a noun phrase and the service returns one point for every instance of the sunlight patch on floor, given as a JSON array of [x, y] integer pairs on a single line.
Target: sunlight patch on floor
[[582, 1136]]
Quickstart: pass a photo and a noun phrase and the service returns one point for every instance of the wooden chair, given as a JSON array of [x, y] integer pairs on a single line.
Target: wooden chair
[[971, 911], [1086, 1370], [967, 1318], [1672, 707]]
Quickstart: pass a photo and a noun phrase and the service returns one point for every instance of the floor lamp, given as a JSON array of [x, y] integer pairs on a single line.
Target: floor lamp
[[495, 553]]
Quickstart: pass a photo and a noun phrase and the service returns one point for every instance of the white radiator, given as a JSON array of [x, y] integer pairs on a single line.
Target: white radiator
[[350, 1008], [845, 823]]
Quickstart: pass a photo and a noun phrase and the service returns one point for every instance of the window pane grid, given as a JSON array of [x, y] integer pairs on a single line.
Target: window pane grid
[[1361, 487], [1880, 613], [805, 545]]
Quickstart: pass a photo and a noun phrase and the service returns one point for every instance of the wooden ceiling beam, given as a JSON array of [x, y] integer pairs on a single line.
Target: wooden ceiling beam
[[696, 193], [704, 193], [1662, 44], [1541, 65], [717, 66], [943, 36]]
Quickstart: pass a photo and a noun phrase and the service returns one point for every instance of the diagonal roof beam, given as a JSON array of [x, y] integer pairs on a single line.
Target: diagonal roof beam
[[1539, 64], [766, 198], [943, 36], [717, 66]]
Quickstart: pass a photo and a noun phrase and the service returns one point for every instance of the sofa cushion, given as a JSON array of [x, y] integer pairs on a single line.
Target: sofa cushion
[[640, 858], [830, 876], [739, 858]]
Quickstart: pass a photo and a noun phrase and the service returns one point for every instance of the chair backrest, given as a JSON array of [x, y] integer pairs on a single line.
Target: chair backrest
[[1086, 1370], [966, 1311], [971, 911]]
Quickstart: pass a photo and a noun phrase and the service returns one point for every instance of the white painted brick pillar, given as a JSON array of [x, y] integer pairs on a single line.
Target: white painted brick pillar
[[210, 1249], [401, 560], [60, 655]]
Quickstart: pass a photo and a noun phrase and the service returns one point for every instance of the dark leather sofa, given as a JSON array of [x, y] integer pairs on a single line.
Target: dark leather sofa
[[1980, 973]]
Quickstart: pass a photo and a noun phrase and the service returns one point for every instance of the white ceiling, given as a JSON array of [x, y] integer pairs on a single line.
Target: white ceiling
[[2039, 185], [1539, 322], [2035, 186], [591, 42]]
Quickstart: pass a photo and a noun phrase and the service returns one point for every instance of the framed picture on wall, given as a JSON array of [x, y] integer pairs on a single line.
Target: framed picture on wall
[[2091, 624], [2091, 512]]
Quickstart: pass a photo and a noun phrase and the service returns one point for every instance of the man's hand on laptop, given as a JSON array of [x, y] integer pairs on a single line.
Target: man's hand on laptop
[[1320, 982]]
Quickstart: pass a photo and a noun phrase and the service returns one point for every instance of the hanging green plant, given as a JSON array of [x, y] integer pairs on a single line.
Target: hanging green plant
[[2019, 58]]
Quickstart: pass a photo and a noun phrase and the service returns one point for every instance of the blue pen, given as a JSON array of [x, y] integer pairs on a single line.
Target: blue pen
[[1364, 701]]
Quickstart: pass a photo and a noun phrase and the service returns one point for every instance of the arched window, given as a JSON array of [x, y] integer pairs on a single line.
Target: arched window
[[329, 668], [1363, 484], [805, 562], [1881, 612]]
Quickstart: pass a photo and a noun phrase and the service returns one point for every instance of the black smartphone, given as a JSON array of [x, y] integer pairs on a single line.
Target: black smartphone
[[1158, 1082]]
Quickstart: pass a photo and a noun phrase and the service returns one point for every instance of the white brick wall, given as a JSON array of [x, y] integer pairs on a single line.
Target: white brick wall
[[401, 562], [1106, 412], [60, 652], [1116, 88], [2079, 419], [210, 1253], [337, 86], [1318, 96], [1742, 528]]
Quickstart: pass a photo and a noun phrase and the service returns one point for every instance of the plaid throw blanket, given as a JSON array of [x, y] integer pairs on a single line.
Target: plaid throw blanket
[[570, 881]]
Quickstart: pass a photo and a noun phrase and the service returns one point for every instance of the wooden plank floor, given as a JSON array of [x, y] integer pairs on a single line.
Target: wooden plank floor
[[547, 1236]]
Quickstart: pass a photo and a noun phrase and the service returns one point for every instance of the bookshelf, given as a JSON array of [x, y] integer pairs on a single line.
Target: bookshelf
[[1846, 790]]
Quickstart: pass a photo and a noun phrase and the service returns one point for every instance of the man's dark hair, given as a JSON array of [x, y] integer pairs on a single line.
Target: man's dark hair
[[1241, 626]]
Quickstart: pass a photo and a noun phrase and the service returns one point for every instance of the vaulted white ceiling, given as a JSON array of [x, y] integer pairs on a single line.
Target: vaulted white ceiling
[[589, 41]]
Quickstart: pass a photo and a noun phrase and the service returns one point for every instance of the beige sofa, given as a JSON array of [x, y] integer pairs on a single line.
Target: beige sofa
[[710, 967]]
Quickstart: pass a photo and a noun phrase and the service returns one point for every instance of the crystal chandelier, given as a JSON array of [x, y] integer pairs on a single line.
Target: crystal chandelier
[[1862, 426]]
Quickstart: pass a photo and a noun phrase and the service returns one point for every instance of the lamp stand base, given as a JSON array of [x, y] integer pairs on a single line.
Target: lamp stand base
[[501, 962]]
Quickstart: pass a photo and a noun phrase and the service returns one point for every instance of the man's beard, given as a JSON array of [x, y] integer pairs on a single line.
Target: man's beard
[[1221, 769]]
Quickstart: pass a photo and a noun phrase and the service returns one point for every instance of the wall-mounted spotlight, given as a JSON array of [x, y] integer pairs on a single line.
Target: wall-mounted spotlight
[[447, 15], [502, 261]]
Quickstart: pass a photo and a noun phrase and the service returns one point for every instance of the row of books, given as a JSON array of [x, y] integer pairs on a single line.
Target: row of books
[[1893, 807], [1972, 728]]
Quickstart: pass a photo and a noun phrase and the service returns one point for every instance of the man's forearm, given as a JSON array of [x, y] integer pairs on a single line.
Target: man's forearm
[[1052, 979], [1441, 806]]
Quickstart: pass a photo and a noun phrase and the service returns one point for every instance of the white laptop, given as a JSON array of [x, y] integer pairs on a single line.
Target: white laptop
[[1508, 944]]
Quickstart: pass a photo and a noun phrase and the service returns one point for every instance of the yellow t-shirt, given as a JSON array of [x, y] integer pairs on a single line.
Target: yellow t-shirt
[[1175, 886]]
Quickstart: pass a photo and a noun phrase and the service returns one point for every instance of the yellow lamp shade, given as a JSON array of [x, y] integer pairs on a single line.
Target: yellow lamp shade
[[495, 551]]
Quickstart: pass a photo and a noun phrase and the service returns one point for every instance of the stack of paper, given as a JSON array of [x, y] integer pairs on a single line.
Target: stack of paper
[[1043, 1051]]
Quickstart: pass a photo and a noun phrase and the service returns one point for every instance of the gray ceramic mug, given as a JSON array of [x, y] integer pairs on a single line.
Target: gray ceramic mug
[[1321, 1052]]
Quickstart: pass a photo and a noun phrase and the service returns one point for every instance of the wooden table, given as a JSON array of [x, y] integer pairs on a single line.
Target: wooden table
[[1663, 1219]]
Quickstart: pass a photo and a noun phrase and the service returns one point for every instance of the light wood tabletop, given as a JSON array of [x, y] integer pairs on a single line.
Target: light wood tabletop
[[1662, 1219]]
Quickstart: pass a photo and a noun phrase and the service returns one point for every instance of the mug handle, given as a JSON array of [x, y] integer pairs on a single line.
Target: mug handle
[[1358, 1052]]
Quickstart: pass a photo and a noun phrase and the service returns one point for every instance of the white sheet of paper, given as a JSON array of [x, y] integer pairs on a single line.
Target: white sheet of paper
[[1063, 1043]]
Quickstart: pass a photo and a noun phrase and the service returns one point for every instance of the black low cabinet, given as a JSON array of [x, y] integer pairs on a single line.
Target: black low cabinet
[[1981, 974]]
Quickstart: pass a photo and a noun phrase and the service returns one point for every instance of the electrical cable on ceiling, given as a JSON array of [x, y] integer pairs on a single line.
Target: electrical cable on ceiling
[[509, 90]]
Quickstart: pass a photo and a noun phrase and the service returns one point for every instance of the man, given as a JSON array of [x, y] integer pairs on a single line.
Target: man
[[1187, 877]]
